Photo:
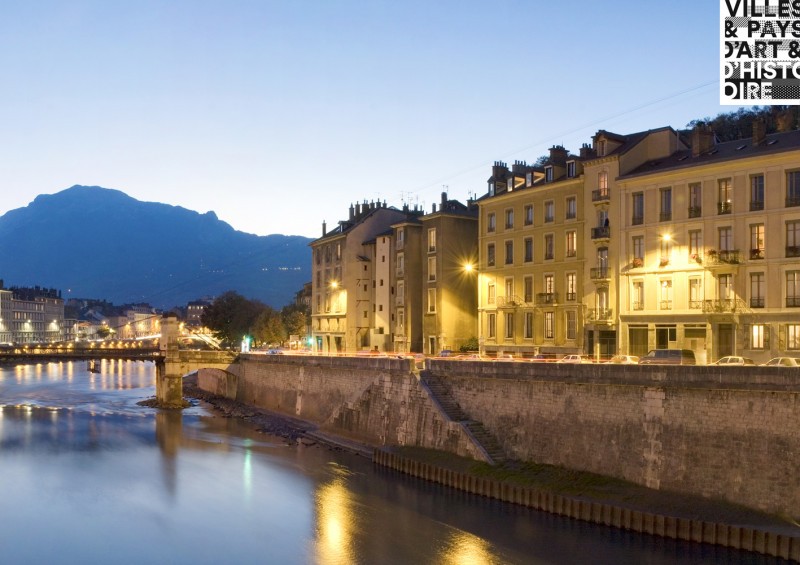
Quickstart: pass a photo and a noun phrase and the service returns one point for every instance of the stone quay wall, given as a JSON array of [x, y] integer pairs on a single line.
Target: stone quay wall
[[730, 433]]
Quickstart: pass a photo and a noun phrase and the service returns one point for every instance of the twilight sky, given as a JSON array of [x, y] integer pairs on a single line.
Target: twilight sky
[[277, 115]]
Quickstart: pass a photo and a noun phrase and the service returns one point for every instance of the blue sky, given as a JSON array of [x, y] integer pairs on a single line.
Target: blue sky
[[278, 114]]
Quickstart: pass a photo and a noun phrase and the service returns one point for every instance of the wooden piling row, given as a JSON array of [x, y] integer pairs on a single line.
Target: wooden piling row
[[737, 537]]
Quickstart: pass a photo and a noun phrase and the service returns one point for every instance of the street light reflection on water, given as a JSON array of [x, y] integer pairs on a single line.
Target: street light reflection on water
[[93, 477]]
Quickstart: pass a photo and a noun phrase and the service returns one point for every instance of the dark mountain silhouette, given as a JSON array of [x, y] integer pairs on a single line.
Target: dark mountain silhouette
[[93, 242]]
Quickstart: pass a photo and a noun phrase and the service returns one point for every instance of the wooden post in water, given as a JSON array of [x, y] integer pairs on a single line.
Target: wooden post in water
[[169, 380]]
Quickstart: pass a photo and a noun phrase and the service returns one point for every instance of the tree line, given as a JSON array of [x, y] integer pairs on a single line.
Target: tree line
[[231, 317]]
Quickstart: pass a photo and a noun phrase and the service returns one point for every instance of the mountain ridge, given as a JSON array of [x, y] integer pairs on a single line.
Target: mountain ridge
[[95, 242]]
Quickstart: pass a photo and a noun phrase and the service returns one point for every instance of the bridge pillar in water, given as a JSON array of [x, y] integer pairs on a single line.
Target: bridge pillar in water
[[169, 380]]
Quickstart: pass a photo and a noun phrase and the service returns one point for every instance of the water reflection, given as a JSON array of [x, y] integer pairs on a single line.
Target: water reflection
[[336, 520]]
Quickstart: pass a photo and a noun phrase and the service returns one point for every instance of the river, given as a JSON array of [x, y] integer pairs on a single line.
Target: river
[[88, 476]]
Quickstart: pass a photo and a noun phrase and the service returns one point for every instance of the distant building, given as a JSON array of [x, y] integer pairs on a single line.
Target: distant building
[[194, 312], [31, 315]]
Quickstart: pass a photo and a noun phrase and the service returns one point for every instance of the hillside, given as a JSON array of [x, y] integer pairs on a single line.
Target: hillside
[[95, 242]]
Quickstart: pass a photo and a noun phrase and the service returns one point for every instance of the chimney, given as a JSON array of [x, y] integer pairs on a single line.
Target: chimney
[[434, 209], [352, 213], [324, 228], [586, 151], [759, 132], [558, 155], [444, 200], [499, 170], [702, 140]]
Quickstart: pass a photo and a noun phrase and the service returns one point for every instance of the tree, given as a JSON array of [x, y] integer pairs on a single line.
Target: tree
[[231, 317], [268, 327]]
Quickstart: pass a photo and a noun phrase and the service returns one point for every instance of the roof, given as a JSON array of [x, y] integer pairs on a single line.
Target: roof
[[629, 141], [721, 152]]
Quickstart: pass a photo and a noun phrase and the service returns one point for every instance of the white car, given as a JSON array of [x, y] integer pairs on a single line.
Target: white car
[[782, 362], [575, 358], [624, 360], [733, 360]]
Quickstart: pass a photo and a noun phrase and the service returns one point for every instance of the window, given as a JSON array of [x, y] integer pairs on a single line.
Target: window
[[548, 173], [756, 241], [666, 295], [666, 251], [695, 293], [601, 148], [509, 282], [548, 246], [792, 289], [572, 208], [401, 264], [695, 200], [726, 238], [491, 325], [793, 336], [757, 289], [571, 169], [527, 284], [490, 293], [509, 325], [757, 192], [549, 283], [724, 196], [793, 188], [431, 240], [602, 180], [528, 249], [527, 331], [318, 255], [401, 293], [401, 238], [509, 252], [338, 251], [571, 320], [793, 238], [529, 214], [431, 300], [637, 244], [572, 286], [666, 205], [490, 255], [637, 295], [401, 320], [637, 208], [571, 243], [491, 222], [509, 218], [549, 211], [725, 287], [549, 325], [758, 336], [695, 245], [431, 269]]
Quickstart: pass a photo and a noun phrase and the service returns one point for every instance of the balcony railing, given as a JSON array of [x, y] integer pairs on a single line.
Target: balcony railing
[[695, 305], [665, 305], [793, 301], [598, 273], [695, 211], [793, 251], [600, 195], [756, 205], [637, 220], [637, 305], [720, 306], [756, 302], [571, 296], [724, 257], [756, 254], [603, 232], [600, 314], [547, 298], [792, 201], [724, 207], [665, 217], [571, 253]]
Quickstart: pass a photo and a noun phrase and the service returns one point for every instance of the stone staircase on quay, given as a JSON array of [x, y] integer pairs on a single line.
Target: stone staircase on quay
[[439, 391]]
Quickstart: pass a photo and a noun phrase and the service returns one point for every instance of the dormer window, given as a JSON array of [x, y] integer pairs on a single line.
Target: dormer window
[[491, 189], [601, 147], [548, 174], [528, 179], [571, 169]]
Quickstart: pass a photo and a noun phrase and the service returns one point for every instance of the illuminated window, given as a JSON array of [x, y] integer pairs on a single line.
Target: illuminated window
[[549, 325]]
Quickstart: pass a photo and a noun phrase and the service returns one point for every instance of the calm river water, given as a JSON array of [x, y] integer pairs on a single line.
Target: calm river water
[[87, 476]]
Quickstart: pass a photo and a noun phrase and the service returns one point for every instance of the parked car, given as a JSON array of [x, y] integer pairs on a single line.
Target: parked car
[[782, 362], [733, 360], [623, 360], [575, 358], [668, 357]]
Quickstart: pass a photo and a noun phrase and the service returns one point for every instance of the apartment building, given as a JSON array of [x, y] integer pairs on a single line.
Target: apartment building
[[532, 256], [710, 248], [31, 315]]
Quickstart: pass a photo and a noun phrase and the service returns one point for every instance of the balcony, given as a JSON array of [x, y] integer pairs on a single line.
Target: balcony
[[724, 207], [793, 251], [757, 302], [721, 306], [599, 273], [792, 201], [600, 196], [601, 233], [665, 305], [722, 259], [695, 304], [637, 305], [601, 315], [793, 301], [756, 254], [571, 296], [637, 220], [545, 298], [756, 205], [665, 217], [695, 211]]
